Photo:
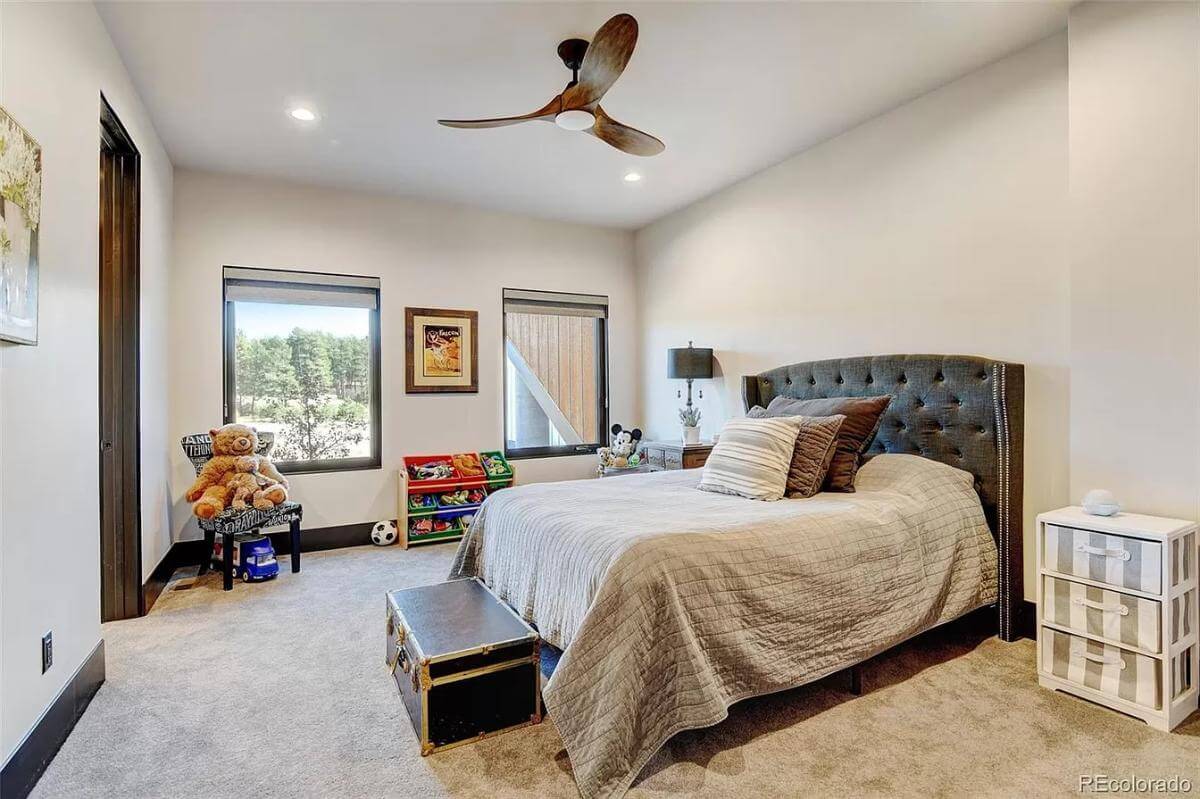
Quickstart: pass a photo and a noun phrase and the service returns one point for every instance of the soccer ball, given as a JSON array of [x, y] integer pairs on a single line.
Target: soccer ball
[[383, 533]]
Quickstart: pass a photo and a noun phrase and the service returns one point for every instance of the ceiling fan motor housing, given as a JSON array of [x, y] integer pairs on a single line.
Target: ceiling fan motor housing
[[571, 51]]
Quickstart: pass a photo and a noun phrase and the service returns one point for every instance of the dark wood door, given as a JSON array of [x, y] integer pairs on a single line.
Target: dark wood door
[[120, 516]]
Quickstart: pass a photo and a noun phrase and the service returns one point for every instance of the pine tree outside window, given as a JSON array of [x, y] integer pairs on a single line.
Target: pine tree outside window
[[302, 361]]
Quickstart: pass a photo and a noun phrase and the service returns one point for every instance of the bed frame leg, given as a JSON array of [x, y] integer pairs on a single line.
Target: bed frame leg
[[856, 683]]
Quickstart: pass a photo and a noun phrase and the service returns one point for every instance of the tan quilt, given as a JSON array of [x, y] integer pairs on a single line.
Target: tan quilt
[[672, 603]]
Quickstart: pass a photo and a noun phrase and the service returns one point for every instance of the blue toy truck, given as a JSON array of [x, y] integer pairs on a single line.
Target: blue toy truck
[[255, 560], [253, 557]]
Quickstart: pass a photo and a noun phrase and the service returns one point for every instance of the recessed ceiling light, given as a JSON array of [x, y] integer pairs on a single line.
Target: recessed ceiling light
[[303, 114], [632, 177]]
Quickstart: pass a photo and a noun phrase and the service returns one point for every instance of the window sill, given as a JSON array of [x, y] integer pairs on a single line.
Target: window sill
[[547, 452], [330, 467]]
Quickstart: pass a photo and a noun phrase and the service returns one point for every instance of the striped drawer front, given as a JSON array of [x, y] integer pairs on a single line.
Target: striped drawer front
[[1119, 561], [1102, 667], [1107, 614], [1183, 559], [1182, 621]]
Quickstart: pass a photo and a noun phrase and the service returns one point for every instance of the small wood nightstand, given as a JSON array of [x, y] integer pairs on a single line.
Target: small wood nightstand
[[675, 455], [1116, 612]]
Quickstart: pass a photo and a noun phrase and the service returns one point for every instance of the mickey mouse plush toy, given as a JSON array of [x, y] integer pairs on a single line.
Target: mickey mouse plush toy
[[623, 452]]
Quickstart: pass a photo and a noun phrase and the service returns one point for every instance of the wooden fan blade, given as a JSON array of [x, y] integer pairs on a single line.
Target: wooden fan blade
[[623, 137], [603, 62], [547, 112]]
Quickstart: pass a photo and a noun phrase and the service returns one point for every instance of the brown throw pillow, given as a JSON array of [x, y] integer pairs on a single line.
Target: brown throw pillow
[[816, 443], [863, 417]]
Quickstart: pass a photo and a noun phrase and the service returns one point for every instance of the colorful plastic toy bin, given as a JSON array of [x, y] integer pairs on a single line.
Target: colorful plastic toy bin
[[440, 494]]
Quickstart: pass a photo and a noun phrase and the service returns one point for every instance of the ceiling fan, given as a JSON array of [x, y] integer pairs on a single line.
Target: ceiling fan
[[594, 67]]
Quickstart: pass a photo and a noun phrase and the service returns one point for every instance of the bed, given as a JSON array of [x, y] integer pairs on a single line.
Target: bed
[[670, 604]]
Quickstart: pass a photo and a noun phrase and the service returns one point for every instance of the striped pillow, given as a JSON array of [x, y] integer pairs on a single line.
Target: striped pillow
[[752, 457]]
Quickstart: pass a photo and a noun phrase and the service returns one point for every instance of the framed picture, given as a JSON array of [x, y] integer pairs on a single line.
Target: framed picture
[[20, 213], [442, 348]]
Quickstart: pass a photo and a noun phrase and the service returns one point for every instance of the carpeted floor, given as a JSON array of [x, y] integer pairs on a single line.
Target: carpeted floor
[[280, 689]]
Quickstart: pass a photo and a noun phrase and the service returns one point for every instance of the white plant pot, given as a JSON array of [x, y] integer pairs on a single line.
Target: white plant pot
[[691, 435]]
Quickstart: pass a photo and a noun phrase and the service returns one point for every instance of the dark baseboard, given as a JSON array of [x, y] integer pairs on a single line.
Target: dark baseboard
[[153, 587], [188, 553], [318, 539], [1026, 619], [986, 620], [312, 539], [34, 754]]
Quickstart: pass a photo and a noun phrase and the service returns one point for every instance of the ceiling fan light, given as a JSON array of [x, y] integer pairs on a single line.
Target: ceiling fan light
[[575, 119]]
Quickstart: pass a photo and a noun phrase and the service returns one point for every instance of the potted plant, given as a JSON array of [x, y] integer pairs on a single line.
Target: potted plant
[[689, 417]]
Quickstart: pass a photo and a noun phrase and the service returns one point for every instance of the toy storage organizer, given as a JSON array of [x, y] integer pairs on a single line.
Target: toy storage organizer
[[439, 494]]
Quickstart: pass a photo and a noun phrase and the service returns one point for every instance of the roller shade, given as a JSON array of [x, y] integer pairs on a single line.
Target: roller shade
[[557, 303], [300, 288]]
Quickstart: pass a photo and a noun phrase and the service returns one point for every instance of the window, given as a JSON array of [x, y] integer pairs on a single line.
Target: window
[[302, 362], [556, 374]]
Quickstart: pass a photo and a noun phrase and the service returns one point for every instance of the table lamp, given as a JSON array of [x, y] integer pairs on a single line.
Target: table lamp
[[689, 363]]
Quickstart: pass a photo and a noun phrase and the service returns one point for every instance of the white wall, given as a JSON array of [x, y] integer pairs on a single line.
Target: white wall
[[56, 60], [426, 255], [936, 227], [1135, 253]]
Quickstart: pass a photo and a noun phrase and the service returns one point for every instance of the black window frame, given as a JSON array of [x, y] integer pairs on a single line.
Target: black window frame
[[602, 385], [229, 377]]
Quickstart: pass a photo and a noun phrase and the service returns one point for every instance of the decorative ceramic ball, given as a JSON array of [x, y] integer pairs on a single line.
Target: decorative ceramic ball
[[1101, 502], [383, 533]]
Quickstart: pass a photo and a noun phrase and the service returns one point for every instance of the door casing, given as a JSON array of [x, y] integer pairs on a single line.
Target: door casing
[[121, 591]]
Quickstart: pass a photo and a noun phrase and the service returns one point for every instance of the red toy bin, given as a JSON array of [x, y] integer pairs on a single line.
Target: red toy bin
[[414, 466]]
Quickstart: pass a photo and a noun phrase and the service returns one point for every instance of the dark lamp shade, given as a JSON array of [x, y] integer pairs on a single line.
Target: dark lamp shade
[[694, 363]]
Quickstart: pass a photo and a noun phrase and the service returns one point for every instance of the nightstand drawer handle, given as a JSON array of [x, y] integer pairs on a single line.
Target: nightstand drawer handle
[[1117, 661], [1123, 554], [1087, 603]]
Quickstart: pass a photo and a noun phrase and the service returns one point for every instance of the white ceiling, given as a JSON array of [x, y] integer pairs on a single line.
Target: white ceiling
[[730, 87]]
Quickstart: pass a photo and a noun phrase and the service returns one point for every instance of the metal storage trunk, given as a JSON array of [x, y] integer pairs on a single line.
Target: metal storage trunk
[[466, 665]]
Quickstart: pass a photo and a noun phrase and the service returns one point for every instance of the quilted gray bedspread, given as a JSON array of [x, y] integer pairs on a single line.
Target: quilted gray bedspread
[[672, 603]]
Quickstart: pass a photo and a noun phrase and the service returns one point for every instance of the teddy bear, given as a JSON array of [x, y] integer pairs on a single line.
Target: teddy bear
[[235, 474], [623, 452]]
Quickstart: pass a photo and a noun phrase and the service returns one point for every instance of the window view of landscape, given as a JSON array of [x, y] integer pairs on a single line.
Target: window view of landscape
[[303, 372]]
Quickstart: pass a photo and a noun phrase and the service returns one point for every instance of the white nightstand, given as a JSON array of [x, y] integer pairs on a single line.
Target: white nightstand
[[1117, 613]]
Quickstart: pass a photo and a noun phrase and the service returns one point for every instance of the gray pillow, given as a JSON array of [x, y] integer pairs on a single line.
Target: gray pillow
[[863, 417]]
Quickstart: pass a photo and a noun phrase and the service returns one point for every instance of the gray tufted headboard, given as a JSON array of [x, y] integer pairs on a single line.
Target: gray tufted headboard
[[962, 410]]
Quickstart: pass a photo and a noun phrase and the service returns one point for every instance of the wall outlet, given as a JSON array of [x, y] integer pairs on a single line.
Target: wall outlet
[[47, 651]]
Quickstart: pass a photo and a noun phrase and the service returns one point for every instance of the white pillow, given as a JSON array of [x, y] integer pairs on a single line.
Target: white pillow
[[752, 457]]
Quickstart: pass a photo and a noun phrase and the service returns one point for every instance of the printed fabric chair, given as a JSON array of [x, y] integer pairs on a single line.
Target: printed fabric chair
[[230, 522]]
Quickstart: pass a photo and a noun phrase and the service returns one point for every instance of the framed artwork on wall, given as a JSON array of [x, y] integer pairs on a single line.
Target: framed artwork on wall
[[442, 350], [20, 213]]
